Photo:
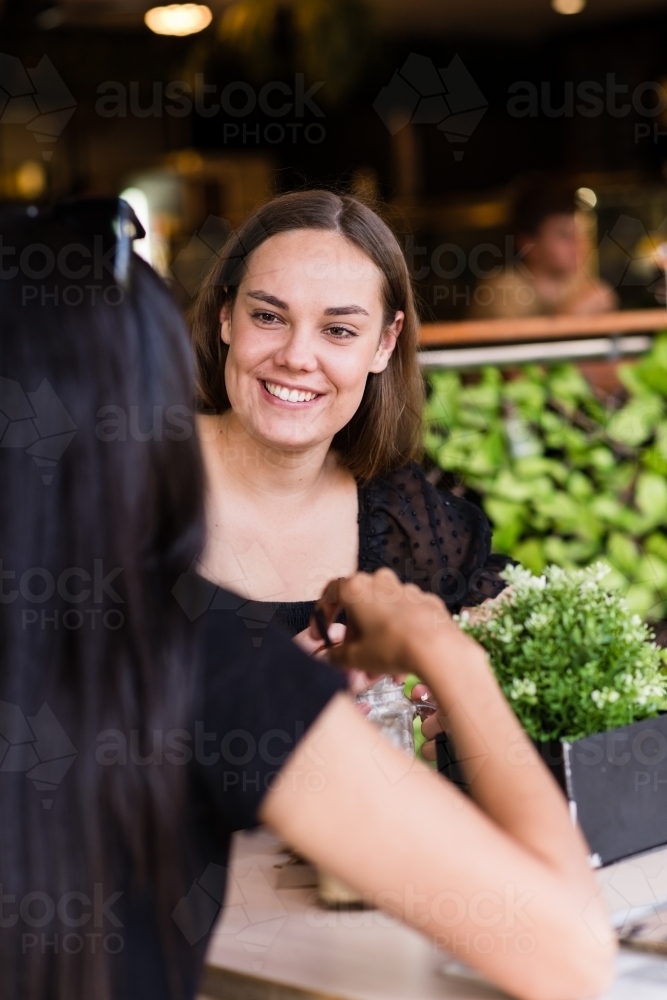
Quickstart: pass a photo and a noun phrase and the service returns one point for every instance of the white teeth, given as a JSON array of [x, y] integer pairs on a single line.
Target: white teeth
[[290, 395]]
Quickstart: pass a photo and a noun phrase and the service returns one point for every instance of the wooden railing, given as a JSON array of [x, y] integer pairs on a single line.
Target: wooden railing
[[538, 328]]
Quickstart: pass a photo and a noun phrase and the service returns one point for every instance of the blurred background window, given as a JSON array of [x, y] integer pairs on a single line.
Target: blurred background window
[[437, 113]]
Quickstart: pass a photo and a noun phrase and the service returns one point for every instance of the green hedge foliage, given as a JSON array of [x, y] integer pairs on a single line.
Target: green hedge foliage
[[566, 477]]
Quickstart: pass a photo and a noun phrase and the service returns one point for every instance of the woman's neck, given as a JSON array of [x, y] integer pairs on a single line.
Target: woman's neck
[[262, 470], [280, 524]]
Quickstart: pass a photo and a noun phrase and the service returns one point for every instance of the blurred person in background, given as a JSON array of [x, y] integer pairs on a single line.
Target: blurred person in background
[[95, 887], [548, 276]]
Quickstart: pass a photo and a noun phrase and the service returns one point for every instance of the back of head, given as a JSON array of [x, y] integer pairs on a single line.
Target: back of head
[[100, 512], [538, 197]]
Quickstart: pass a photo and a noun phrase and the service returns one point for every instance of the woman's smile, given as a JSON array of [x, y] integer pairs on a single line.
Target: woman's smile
[[278, 392]]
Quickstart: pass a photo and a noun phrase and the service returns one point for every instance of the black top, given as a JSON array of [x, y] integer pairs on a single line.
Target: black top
[[257, 700], [436, 540], [254, 702]]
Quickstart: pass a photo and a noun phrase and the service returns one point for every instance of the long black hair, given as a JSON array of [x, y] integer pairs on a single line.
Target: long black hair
[[100, 514]]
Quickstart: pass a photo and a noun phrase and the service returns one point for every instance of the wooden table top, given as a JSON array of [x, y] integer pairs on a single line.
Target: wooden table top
[[277, 944]]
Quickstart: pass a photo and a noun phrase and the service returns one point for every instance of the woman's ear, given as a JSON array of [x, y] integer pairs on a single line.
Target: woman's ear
[[226, 322], [387, 343]]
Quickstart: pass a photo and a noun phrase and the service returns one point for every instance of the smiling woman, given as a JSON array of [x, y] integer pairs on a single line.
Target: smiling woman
[[306, 333]]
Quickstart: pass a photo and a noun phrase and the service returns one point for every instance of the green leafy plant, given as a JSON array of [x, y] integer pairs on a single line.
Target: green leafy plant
[[564, 475], [569, 656]]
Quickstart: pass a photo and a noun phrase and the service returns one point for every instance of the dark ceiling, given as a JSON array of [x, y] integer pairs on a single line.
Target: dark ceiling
[[474, 18]]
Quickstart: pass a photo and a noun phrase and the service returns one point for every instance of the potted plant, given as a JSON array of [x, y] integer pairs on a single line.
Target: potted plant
[[588, 685]]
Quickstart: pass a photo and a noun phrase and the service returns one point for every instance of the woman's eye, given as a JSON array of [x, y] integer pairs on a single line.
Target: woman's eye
[[340, 332], [266, 317]]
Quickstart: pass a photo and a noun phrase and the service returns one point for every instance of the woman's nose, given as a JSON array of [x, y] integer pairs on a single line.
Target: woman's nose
[[297, 352]]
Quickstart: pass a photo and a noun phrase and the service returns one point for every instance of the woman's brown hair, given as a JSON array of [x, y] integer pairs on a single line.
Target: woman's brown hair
[[385, 432]]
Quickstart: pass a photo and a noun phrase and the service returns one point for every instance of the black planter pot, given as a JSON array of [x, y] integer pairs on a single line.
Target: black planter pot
[[615, 782]]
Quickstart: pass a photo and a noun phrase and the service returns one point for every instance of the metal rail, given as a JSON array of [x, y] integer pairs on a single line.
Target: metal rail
[[610, 348]]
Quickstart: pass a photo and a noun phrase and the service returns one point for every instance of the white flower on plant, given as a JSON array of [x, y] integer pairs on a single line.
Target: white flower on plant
[[522, 687], [539, 619], [568, 617], [607, 696]]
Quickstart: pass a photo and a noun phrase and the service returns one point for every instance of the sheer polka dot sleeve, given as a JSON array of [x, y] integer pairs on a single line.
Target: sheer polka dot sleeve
[[436, 540]]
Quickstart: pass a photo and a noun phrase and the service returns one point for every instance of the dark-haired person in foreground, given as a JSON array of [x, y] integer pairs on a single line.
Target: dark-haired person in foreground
[[121, 716]]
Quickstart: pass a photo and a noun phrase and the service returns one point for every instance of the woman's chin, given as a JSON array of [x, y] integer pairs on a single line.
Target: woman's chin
[[292, 443]]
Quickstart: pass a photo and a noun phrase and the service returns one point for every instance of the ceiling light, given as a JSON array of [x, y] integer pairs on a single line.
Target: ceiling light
[[178, 18], [30, 179], [568, 6]]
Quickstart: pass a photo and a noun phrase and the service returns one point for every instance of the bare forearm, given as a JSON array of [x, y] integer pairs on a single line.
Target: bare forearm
[[507, 778], [428, 855]]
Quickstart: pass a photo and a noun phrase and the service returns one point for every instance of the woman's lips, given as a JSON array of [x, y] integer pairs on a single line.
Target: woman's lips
[[286, 394]]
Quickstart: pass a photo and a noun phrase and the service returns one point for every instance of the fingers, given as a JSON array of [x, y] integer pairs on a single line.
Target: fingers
[[420, 693], [359, 681], [308, 641], [384, 617], [433, 725], [337, 632], [429, 750], [348, 656]]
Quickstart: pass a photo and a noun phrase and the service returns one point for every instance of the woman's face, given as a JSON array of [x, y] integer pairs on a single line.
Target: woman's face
[[305, 330]]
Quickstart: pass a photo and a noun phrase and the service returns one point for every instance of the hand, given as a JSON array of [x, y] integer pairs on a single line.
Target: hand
[[311, 642], [482, 612], [387, 622], [430, 729]]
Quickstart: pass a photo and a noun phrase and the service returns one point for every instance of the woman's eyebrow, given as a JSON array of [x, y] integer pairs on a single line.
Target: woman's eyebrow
[[345, 311], [272, 300]]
